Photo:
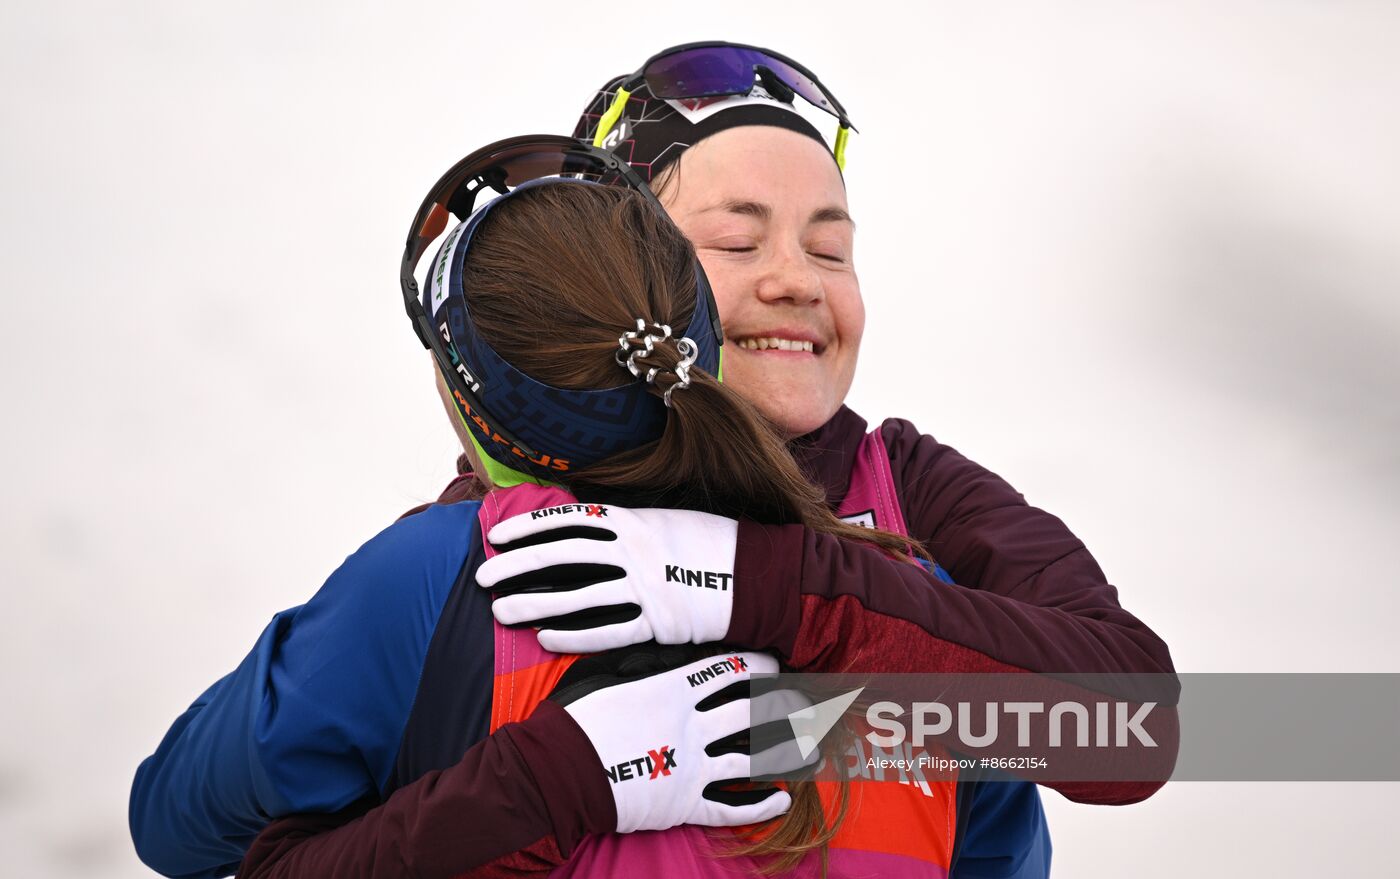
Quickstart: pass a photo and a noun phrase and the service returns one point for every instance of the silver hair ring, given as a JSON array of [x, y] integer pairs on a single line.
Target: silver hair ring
[[626, 355], [689, 351]]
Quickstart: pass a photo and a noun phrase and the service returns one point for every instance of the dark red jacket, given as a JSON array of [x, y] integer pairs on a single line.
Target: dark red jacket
[[1040, 602]]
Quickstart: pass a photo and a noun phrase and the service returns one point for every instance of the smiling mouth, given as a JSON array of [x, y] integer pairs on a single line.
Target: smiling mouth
[[773, 343]]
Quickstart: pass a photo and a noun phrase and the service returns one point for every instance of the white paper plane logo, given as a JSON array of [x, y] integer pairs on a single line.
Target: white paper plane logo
[[812, 723]]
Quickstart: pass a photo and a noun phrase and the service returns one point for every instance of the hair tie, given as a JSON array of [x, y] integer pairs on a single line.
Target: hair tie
[[627, 355]]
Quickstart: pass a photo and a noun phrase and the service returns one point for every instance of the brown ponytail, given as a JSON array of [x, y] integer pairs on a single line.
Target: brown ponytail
[[553, 277]]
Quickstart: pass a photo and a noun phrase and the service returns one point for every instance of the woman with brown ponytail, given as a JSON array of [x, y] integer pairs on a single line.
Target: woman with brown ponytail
[[401, 731]]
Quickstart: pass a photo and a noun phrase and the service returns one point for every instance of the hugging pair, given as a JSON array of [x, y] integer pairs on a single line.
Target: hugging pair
[[404, 723]]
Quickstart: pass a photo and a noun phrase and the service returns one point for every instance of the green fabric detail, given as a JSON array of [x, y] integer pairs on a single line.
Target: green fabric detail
[[499, 474]]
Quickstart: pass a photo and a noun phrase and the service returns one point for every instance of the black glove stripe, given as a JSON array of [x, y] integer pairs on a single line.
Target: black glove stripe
[[558, 578], [719, 792], [592, 618], [583, 532]]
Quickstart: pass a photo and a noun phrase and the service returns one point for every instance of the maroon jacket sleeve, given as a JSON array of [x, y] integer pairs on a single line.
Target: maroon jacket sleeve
[[1040, 601], [516, 803]]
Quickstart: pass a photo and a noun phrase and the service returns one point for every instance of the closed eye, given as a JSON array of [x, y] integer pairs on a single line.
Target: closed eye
[[733, 243]]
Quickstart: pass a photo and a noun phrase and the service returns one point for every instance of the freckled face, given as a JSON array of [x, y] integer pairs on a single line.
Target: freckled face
[[766, 210]]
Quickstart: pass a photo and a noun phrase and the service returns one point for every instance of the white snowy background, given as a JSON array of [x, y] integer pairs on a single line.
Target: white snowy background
[[1139, 258]]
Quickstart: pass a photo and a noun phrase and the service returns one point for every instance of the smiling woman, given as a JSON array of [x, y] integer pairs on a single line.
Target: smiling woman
[[778, 244], [764, 203]]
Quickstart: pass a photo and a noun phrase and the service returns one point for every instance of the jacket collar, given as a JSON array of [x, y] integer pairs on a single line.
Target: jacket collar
[[828, 454]]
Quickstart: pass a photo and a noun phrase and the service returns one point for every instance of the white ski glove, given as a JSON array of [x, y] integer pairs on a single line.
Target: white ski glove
[[595, 577], [664, 752]]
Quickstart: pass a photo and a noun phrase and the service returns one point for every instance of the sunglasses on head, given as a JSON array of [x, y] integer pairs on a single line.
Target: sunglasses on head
[[718, 69]]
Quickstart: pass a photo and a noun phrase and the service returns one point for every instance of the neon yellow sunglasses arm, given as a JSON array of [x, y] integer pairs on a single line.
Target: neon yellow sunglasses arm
[[605, 125], [840, 152]]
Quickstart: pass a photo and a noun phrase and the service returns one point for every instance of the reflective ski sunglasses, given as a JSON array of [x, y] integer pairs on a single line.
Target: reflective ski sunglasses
[[717, 69]]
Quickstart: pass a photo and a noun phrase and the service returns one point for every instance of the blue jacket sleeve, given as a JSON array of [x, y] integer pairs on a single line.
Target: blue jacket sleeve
[[312, 718]]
